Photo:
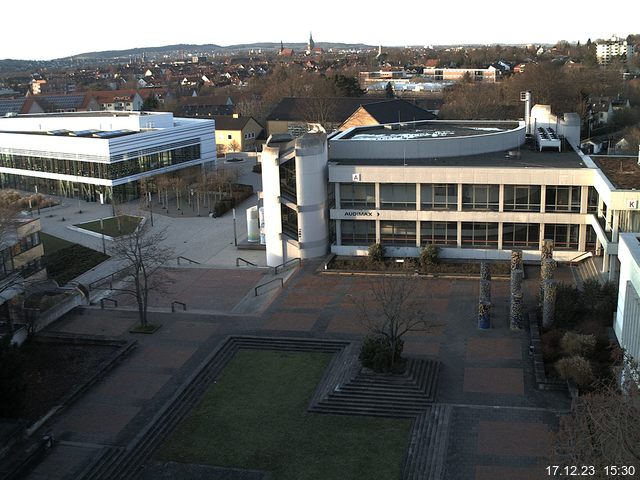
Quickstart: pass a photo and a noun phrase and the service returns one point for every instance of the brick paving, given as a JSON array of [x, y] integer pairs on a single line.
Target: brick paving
[[493, 380], [501, 424]]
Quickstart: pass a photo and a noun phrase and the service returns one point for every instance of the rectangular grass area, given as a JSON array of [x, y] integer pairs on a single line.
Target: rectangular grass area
[[255, 417], [65, 260], [113, 226]]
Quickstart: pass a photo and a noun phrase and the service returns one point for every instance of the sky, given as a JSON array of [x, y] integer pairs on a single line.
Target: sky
[[44, 30]]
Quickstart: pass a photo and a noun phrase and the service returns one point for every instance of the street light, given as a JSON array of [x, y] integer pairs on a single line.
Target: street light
[[150, 206], [235, 236]]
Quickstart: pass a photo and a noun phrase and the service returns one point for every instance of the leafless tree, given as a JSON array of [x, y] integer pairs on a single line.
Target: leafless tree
[[142, 253], [9, 278], [392, 307], [603, 427], [320, 110]]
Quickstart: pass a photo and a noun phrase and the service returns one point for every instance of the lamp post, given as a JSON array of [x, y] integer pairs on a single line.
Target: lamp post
[[235, 236], [104, 247], [150, 207]]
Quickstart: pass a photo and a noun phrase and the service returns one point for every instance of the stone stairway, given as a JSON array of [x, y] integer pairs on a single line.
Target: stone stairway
[[426, 455], [584, 271], [382, 395], [116, 463]]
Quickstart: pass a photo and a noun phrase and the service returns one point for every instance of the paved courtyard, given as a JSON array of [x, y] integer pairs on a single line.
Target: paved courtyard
[[501, 425]]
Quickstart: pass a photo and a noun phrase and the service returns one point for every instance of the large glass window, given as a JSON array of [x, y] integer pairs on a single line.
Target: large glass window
[[439, 196], [564, 236], [288, 179], [357, 195], [133, 163], [525, 235], [398, 233], [562, 199], [522, 198], [480, 197], [289, 221], [357, 232], [439, 233], [592, 200], [480, 234], [398, 196]]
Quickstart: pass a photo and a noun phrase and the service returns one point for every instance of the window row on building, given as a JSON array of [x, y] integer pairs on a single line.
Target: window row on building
[[517, 198], [464, 234], [108, 171]]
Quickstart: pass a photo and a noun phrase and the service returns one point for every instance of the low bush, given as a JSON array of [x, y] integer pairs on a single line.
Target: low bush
[[429, 256], [567, 306], [578, 344], [377, 252], [550, 344], [575, 368], [376, 354]]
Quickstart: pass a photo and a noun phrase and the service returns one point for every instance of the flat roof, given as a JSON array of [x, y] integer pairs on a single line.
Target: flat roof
[[523, 158], [428, 129], [622, 172]]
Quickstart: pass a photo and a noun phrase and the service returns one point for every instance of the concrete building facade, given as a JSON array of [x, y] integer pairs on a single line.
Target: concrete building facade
[[99, 155]]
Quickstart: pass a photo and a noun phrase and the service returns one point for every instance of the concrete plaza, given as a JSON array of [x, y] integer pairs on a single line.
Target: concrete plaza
[[502, 425]]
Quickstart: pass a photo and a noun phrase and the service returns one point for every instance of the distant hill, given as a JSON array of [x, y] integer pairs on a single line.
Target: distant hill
[[206, 48]]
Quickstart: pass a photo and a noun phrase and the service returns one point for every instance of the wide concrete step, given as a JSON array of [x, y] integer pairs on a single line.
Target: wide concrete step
[[426, 456]]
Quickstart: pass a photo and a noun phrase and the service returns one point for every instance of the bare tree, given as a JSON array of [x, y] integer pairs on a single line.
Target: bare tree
[[10, 279], [393, 307], [142, 253], [603, 427]]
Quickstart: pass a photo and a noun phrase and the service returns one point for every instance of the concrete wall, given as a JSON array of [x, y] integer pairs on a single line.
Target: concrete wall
[[627, 319], [425, 148], [311, 188]]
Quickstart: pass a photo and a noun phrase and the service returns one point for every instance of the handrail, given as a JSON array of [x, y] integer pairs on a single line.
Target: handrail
[[267, 283], [247, 262], [102, 300], [175, 302], [575, 259], [187, 259], [287, 263], [111, 277]]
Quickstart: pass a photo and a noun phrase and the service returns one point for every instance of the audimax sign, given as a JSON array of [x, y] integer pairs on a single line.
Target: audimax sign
[[362, 213]]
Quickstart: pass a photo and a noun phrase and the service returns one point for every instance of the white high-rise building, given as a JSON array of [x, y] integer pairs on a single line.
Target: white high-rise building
[[613, 48]]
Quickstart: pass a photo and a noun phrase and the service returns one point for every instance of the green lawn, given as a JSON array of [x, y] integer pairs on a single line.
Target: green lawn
[[113, 226], [255, 417], [65, 260], [52, 244]]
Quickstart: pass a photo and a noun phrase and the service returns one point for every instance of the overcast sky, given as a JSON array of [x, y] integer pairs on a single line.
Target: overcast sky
[[43, 30]]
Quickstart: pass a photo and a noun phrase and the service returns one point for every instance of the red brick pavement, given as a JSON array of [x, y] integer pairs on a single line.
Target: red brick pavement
[[514, 439], [494, 380]]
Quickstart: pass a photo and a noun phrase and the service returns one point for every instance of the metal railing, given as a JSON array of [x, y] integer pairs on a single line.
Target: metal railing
[[246, 262], [102, 300], [267, 283], [282, 266], [188, 260], [108, 278], [175, 302], [577, 258]]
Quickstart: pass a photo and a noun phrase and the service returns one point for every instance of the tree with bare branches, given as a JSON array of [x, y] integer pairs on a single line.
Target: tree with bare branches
[[391, 308], [142, 253], [603, 427]]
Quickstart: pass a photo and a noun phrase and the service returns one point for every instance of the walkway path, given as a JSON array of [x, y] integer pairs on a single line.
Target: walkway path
[[501, 425]]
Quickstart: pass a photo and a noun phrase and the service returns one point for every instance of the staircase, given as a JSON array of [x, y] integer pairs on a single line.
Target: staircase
[[585, 270], [384, 395], [426, 454]]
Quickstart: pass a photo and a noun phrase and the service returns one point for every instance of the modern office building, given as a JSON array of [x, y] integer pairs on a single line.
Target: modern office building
[[98, 156], [477, 189]]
